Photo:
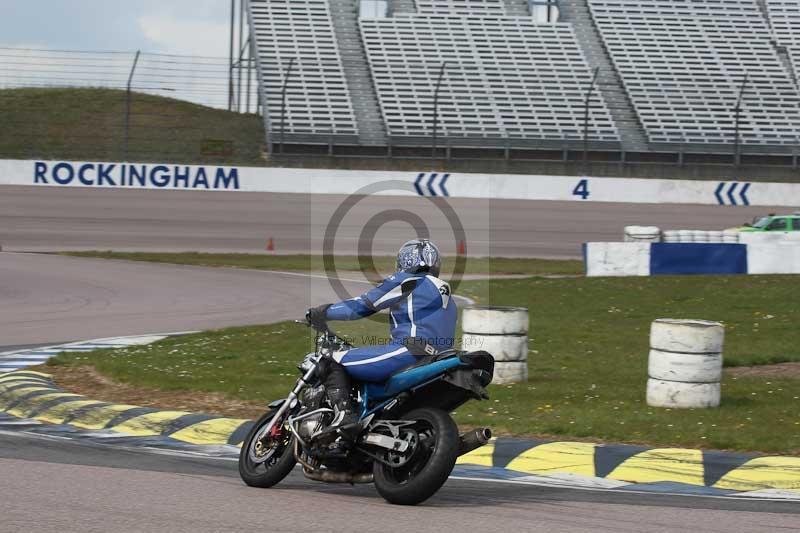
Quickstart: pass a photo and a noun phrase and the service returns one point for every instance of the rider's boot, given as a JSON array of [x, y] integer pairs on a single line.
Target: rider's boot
[[345, 420]]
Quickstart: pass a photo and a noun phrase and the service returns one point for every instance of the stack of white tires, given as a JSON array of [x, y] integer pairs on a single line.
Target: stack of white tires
[[642, 234], [701, 236], [503, 332], [685, 365], [730, 236]]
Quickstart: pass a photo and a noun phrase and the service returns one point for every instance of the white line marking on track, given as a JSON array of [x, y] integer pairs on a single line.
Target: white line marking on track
[[620, 491]]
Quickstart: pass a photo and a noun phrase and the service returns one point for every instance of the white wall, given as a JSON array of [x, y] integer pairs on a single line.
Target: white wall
[[769, 237], [633, 259], [617, 259], [462, 185], [773, 258]]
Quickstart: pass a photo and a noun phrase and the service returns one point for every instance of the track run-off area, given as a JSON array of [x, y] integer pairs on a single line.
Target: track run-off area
[[84, 486]]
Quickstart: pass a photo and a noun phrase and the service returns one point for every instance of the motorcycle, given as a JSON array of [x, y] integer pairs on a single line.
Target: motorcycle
[[408, 443]]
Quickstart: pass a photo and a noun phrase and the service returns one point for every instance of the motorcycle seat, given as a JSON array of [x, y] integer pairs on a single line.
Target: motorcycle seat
[[476, 360], [426, 360]]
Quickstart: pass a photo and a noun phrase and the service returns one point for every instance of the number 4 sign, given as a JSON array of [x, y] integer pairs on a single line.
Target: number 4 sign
[[582, 189]]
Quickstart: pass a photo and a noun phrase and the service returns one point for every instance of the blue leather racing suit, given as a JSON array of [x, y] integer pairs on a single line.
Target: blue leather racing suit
[[420, 307]]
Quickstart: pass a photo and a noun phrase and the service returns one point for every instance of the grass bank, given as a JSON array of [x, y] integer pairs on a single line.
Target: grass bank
[[384, 264], [588, 361], [89, 124]]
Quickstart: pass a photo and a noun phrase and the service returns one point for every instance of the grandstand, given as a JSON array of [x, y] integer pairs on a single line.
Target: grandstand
[[661, 76]]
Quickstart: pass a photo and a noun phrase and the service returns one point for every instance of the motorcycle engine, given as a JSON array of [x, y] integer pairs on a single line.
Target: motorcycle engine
[[312, 399], [310, 426]]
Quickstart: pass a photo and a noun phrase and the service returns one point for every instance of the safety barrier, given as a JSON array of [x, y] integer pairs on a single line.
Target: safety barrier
[[730, 236], [646, 259], [169, 176], [503, 332], [642, 234], [685, 363]]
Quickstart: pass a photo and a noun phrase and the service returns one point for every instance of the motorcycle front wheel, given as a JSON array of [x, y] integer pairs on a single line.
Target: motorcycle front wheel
[[265, 463], [434, 454]]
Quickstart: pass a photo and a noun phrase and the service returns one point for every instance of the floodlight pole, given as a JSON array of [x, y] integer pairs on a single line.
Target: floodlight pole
[[436, 108], [586, 110], [283, 101], [737, 155], [128, 97]]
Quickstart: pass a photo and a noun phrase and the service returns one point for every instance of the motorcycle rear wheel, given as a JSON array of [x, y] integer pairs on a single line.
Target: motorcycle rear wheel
[[278, 465], [431, 464]]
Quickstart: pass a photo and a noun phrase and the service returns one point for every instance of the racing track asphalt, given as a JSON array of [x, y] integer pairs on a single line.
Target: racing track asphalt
[[49, 299], [55, 485], [48, 219]]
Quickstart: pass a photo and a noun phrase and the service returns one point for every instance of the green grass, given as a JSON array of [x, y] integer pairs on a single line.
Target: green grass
[[384, 264], [588, 361], [89, 124]]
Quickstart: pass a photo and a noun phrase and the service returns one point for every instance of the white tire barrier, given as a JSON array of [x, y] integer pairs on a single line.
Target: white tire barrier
[[686, 235], [685, 368], [715, 236], [687, 336], [505, 373], [495, 320], [672, 236], [503, 332], [642, 234], [730, 236], [504, 348], [676, 395], [685, 363]]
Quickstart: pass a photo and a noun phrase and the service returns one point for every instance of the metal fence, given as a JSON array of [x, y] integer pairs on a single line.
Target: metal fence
[[127, 105]]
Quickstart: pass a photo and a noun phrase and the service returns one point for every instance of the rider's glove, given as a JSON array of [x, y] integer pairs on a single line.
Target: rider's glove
[[317, 316]]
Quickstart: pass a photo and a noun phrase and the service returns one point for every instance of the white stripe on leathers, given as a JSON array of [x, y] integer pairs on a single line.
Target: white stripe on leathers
[[340, 355]]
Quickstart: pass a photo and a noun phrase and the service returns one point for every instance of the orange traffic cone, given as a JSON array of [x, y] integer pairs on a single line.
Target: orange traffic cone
[[462, 248], [270, 245]]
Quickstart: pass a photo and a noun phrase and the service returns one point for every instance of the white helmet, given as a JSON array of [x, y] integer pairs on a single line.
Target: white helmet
[[419, 255]]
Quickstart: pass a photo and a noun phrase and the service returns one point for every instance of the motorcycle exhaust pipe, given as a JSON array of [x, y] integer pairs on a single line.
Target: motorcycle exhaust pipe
[[474, 440], [328, 476]]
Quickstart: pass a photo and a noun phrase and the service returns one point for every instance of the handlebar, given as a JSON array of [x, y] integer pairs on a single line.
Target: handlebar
[[326, 331]]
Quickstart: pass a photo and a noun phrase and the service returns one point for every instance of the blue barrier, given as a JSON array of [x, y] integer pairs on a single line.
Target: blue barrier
[[697, 258]]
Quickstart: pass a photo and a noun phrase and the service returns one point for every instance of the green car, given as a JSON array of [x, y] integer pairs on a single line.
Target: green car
[[774, 223]]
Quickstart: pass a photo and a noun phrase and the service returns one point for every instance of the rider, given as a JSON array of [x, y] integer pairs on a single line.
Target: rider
[[423, 322]]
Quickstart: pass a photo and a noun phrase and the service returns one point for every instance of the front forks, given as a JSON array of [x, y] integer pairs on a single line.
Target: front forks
[[290, 403]]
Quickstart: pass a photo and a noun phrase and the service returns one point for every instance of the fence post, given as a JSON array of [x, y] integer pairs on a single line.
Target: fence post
[[128, 96], [230, 56], [436, 108], [737, 156], [586, 110], [283, 101], [240, 51]]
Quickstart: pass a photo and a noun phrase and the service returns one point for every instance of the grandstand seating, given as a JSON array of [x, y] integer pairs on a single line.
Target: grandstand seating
[[318, 102], [461, 7], [683, 61], [784, 16], [671, 72], [506, 77]]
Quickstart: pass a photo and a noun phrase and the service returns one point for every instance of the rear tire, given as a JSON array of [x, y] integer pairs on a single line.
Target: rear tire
[[274, 469], [423, 476]]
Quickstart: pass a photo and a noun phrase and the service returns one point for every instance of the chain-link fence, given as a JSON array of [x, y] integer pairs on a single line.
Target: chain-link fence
[[127, 106]]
